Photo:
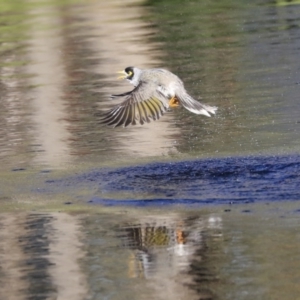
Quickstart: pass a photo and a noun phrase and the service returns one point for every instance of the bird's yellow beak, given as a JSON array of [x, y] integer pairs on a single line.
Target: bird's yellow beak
[[123, 76]]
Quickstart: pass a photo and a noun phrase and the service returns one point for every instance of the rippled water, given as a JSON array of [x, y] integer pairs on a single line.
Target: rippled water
[[187, 207]]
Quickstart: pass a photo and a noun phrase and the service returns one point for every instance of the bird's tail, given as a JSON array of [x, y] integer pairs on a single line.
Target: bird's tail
[[195, 106]]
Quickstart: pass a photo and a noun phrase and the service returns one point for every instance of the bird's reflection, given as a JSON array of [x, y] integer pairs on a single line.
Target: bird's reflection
[[175, 252]]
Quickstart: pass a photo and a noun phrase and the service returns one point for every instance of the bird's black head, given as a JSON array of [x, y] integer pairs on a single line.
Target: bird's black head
[[130, 72]]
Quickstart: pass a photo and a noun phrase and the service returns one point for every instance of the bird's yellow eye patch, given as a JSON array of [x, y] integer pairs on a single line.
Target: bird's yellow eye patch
[[130, 73]]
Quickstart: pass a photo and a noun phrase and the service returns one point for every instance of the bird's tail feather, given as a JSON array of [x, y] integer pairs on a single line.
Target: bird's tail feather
[[195, 106]]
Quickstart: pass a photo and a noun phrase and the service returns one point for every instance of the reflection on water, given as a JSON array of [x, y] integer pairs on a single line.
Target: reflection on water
[[157, 256], [50, 134], [69, 73], [35, 246], [160, 254], [171, 254], [40, 257], [193, 254]]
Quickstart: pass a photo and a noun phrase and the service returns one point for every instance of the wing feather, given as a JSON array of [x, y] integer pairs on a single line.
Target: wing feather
[[146, 112], [143, 104], [111, 115], [152, 111], [133, 118], [158, 107], [122, 118]]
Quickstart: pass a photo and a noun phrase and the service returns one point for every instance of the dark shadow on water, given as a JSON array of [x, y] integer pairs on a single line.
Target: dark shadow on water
[[215, 181], [35, 246]]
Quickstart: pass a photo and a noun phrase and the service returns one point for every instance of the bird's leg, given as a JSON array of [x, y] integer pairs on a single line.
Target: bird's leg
[[173, 102]]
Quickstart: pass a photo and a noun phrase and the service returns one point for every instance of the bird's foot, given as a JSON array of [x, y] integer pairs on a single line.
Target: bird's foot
[[173, 102]]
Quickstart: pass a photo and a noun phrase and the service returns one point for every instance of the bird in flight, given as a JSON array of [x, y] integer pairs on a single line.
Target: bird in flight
[[155, 91]]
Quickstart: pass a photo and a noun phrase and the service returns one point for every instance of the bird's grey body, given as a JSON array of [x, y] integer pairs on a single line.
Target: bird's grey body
[[155, 91]]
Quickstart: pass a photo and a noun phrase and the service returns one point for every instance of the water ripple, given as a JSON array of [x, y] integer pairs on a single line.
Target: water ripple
[[218, 180]]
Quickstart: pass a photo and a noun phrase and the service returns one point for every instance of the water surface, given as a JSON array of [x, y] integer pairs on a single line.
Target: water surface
[[187, 207]]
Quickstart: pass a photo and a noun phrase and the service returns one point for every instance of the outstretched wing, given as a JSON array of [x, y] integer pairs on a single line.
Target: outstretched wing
[[143, 104]]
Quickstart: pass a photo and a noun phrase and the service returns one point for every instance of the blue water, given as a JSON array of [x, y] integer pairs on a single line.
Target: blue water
[[205, 181]]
